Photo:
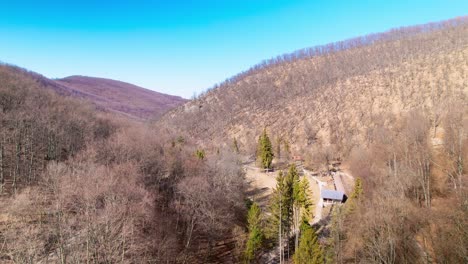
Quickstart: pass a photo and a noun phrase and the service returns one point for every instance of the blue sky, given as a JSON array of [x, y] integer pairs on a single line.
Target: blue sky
[[184, 47]]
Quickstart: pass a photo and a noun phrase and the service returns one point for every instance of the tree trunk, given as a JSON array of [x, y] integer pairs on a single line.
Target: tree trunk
[[296, 228], [17, 162], [2, 179], [31, 158], [190, 231], [279, 234]]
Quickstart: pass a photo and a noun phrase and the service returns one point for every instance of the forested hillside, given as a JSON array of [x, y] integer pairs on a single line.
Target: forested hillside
[[392, 107], [112, 96], [79, 185], [335, 94], [120, 97]]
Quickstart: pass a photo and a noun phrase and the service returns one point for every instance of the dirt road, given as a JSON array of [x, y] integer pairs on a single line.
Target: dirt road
[[260, 184]]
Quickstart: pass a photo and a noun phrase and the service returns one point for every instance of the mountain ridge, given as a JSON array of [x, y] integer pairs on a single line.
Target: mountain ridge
[[121, 96], [109, 95]]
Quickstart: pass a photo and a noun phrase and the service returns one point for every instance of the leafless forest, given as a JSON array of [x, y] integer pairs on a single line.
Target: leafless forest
[[392, 107], [80, 185]]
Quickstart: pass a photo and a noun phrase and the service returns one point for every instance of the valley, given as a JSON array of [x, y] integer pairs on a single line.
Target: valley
[[349, 152]]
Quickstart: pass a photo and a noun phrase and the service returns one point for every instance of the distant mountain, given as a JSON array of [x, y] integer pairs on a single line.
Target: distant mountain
[[117, 96]]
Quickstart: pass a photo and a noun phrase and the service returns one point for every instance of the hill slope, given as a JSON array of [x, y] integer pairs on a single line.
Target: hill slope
[[61, 157], [392, 107], [119, 96], [337, 93]]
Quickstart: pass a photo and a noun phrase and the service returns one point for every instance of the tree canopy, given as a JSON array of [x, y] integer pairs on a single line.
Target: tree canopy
[[265, 150], [255, 238], [309, 250]]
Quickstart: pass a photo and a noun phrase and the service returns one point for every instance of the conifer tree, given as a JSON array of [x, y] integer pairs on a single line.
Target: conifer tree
[[265, 150], [334, 250], [305, 199], [355, 195], [358, 191], [255, 240], [280, 208], [309, 250], [290, 203], [291, 178], [301, 204]]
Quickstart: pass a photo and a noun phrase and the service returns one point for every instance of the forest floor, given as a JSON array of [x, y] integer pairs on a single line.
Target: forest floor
[[260, 184]]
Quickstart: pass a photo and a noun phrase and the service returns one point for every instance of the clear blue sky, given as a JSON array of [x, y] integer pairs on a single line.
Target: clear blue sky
[[182, 47]]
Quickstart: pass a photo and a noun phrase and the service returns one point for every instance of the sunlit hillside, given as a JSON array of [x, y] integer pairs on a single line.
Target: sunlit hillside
[[351, 152], [336, 94], [390, 107]]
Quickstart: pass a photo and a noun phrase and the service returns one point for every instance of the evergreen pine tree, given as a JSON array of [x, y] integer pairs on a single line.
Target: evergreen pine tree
[[355, 195], [305, 199], [254, 242], [278, 207], [309, 250], [265, 150], [282, 204], [289, 204], [358, 191], [291, 178], [301, 201], [279, 224], [334, 250], [254, 216]]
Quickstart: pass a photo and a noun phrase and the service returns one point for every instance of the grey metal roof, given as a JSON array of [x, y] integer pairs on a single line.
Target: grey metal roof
[[333, 195], [338, 183]]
